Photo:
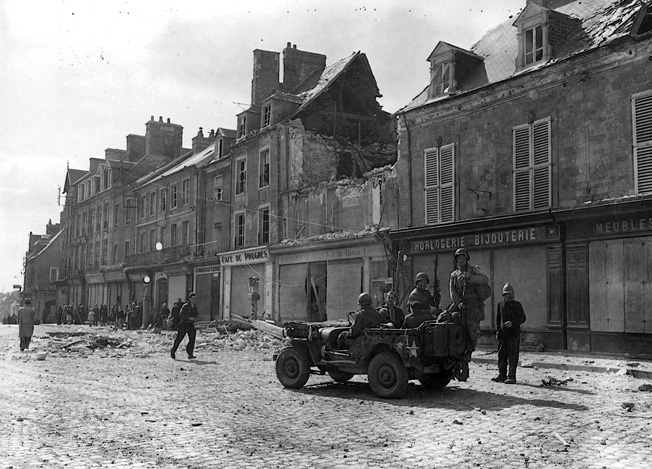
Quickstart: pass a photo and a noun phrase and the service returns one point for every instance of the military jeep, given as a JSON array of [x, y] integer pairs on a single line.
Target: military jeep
[[433, 353]]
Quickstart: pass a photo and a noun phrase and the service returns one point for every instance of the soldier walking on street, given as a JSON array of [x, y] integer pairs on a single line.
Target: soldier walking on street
[[187, 326], [468, 290]]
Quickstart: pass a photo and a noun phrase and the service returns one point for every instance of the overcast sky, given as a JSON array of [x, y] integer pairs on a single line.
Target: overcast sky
[[76, 77]]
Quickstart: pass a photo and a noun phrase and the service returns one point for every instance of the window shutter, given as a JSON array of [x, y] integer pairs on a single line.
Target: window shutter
[[431, 162], [642, 117], [542, 169], [446, 183], [521, 168]]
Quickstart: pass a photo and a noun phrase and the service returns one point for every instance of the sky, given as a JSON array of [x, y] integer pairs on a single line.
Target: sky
[[77, 77]]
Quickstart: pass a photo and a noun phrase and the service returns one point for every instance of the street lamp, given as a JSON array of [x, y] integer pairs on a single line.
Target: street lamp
[[146, 281]]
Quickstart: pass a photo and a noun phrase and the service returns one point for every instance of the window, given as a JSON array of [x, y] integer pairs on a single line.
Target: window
[[114, 259], [241, 175], [642, 127], [533, 45], [239, 230], [440, 184], [532, 168], [89, 255], [185, 191], [161, 237], [263, 225], [115, 214], [98, 254], [107, 178], [54, 274], [175, 193], [85, 223], [442, 78], [164, 200], [218, 187], [217, 237], [263, 168], [185, 233], [141, 207], [220, 148], [105, 252], [152, 240], [242, 127], [127, 212], [141, 241], [126, 248], [107, 216], [98, 226], [267, 115], [173, 235], [97, 184], [152, 203]]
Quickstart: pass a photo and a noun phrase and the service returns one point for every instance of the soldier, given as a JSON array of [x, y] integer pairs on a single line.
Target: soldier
[[509, 317], [392, 313], [366, 317], [468, 287], [422, 294], [188, 315], [419, 313]]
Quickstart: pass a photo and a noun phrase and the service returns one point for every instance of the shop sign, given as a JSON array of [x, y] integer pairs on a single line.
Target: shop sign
[[247, 257], [513, 237], [95, 278], [118, 276], [622, 226], [212, 269], [333, 254]]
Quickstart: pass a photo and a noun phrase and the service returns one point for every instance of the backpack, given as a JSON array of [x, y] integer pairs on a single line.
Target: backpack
[[483, 291]]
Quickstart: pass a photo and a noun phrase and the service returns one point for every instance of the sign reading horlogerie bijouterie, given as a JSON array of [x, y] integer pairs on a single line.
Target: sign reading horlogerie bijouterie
[[512, 237]]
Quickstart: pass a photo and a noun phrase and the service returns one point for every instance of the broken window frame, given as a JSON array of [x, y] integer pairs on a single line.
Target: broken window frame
[[642, 141], [242, 127], [263, 168], [218, 187], [442, 81], [439, 184], [532, 166]]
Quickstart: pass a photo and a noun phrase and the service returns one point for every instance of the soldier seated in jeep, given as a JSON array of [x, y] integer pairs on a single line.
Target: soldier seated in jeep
[[365, 317], [419, 313]]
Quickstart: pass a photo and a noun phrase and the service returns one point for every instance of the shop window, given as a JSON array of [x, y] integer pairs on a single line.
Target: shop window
[[642, 127], [532, 166], [263, 225], [440, 184], [239, 222], [263, 168], [241, 175]]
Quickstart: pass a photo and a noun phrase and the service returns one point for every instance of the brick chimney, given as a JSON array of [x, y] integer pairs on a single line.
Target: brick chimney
[[163, 138], [266, 75], [299, 65], [135, 147], [200, 142]]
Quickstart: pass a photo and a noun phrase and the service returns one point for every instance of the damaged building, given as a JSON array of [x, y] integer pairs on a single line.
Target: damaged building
[[309, 170]]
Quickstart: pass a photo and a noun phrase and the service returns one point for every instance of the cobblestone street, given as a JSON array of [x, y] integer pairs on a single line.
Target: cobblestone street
[[140, 408]]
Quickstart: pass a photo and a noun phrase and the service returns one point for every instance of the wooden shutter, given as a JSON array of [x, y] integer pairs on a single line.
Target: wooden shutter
[[431, 159], [642, 118], [522, 168], [440, 184], [541, 163], [532, 168]]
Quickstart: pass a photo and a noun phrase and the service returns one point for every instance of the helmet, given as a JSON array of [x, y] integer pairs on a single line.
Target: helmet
[[421, 276], [508, 289], [461, 251], [364, 299]]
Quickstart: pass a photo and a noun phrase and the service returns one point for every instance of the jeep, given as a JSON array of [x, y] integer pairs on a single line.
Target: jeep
[[433, 353]]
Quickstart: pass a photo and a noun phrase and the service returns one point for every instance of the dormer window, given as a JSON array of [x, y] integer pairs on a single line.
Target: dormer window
[[242, 127], [267, 116], [442, 79], [451, 69], [533, 45]]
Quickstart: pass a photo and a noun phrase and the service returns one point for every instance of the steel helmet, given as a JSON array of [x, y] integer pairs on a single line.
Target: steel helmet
[[421, 276], [364, 299], [508, 289], [461, 251]]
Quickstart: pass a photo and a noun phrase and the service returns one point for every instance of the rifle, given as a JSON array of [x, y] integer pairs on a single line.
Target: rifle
[[437, 292]]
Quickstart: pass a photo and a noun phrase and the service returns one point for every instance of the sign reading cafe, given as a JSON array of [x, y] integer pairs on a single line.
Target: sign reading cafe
[[244, 257]]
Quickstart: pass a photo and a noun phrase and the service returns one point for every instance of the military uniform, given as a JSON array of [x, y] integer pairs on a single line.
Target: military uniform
[[462, 291], [509, 338]]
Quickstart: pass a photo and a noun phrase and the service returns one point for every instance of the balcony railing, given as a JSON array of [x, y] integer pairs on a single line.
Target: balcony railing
[[164, 256]]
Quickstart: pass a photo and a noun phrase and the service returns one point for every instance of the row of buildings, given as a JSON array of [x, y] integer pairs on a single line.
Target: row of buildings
[[533, 150]]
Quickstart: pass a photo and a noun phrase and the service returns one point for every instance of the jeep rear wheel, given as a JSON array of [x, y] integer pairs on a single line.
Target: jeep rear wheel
[[388, 377], [436, 380], [340, 376], [293, 367]]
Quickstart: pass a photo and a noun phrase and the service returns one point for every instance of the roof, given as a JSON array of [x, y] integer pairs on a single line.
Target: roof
[[197, 159], [599, 22]]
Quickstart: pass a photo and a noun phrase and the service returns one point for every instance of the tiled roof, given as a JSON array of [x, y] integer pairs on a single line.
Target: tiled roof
[[601, 22]]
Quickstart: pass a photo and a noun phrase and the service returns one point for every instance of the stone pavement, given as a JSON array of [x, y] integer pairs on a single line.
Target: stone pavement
[[133, 406]]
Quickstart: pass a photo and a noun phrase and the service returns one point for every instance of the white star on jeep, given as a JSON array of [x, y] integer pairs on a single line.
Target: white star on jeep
[[413, 349], [400, 345]]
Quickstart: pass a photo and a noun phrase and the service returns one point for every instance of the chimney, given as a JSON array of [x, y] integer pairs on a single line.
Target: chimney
[[266, 75], [299, 65], [135, 147], [163, 139], [200, 142]]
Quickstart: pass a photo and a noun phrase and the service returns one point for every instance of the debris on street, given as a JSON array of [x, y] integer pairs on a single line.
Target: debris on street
[[550, 381], [645, 387]]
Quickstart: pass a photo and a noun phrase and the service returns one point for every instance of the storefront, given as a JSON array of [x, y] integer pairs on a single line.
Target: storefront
[[247, 283], [609, 279], [208, 280], [322, 280], [117, 288], [527, 255], [96, 290]]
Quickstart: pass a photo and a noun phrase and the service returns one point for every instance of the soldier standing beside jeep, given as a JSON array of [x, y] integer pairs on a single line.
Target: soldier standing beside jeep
[[509, 317], [468, 287]]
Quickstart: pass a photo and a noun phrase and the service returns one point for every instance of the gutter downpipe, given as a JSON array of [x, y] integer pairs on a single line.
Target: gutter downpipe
[[409, 162]]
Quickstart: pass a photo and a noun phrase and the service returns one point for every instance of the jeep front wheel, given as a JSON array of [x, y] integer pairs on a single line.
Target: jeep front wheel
[[436, 380], [340, 376], [388, 377], [293, 367]]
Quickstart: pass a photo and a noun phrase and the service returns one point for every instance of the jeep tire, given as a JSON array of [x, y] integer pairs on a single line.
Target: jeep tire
[[388, 377], [293, 367]]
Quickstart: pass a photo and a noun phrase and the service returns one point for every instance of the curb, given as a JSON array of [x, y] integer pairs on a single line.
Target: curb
[[640, 374]]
